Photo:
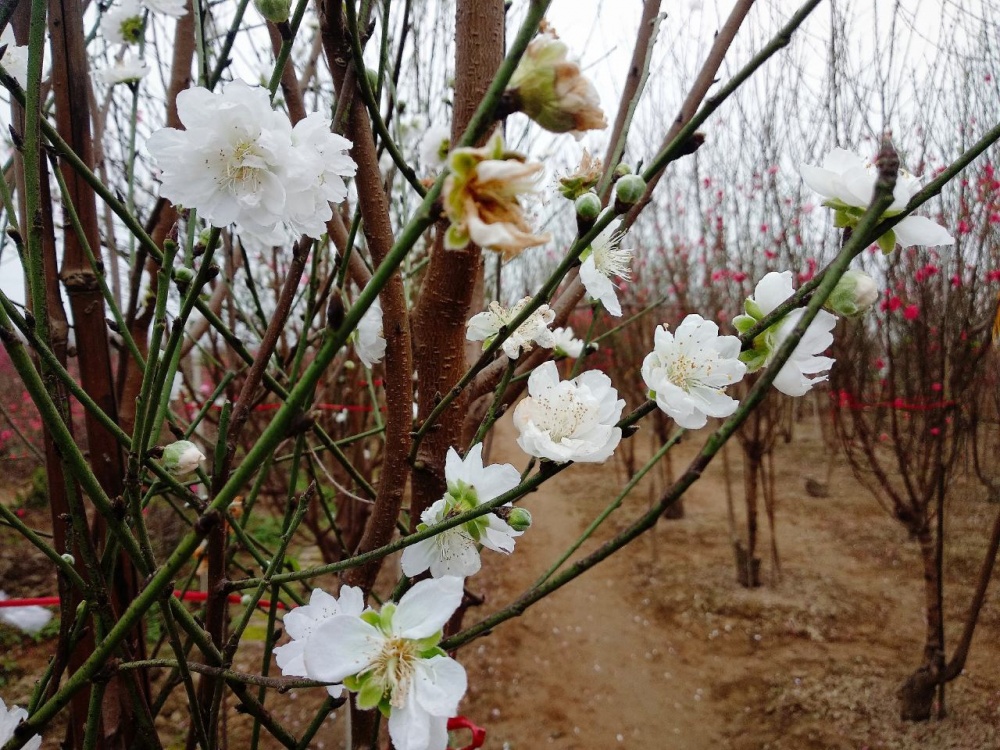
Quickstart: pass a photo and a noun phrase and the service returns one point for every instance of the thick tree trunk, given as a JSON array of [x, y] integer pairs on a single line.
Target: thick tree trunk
[[917, 692], [453, 275]]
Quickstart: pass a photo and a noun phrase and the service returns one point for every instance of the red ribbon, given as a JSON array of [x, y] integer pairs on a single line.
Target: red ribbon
[[191, 596], [478, 733], [846, 400]]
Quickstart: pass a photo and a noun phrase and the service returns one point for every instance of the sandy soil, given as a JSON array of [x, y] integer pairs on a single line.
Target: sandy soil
[[658, 647]]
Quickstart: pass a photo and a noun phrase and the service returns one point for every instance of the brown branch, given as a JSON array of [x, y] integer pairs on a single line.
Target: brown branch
[[374, 205]]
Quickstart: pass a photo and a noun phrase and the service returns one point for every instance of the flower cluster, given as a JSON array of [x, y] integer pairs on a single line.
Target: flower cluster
[[238, 161]]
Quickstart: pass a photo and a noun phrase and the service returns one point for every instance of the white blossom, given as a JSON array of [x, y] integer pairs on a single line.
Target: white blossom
[[688, 371], [480, 197], [486, 325], [391, 660], [604, 259], [15, 59], [470, 484], [238, 161], [301, 623], [9, 719], [434, 147], [319, 168], [848, 182], [369, 343], [570, 420], [566, 343], [773, 289], [122, 23], [123, 71]]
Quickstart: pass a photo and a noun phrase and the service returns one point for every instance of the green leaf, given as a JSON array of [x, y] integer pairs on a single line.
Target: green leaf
[[753, 359], [370, 695], [887, 242], [744, 323], [753, 309]]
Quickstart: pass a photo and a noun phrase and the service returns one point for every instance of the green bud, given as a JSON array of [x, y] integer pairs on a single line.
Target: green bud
[[588, 208], [67, 557], [519, 519], [274, 11], [181, 457], [854, 294], [622, 169], [183, 275], [628, 191]]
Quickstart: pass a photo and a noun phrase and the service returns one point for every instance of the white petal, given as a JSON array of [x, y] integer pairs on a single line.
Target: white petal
[[439, 684], [342, 646], [409, 726], [418, 557], [600, 287], [456, 555], [823, 181], [424, 609], [352, 601], [772, 290], [290, 658], [919, 230]]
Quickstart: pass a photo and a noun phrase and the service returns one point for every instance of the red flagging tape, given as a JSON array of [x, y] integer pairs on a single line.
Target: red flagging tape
[[847, 400], [478, 733], [191, 596]]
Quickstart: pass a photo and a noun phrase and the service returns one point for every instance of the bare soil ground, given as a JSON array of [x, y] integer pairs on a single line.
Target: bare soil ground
[[658, 647]]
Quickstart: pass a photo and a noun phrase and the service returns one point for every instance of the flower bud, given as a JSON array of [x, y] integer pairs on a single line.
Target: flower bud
[[588, 208], [274, 11], [552, 91], [183, 275], [182, 457], [68, 558], [519, 519], [622, 169], [628, 190], [854, 294]]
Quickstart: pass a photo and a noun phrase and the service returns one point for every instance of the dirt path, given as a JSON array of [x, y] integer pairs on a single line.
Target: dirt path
[[659, 648]]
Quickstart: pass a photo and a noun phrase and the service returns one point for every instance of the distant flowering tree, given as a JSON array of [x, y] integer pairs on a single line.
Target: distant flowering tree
[[233, 241]]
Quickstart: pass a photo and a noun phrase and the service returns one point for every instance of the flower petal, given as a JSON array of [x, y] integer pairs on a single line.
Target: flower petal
[[919, 230], [439, 684], [426, 607], [342, 646]]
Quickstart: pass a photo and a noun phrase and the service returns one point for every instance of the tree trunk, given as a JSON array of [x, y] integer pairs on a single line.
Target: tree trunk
[[917, 692]]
